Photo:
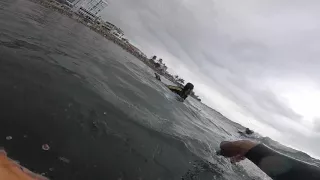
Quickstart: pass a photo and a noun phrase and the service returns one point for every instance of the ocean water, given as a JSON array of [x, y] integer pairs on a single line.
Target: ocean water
[[100, 109]]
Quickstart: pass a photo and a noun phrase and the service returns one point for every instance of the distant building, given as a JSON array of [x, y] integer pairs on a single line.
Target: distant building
[[70, 1], [114, 30], [86, 14], [162, 68], [118, 34], [124, 39], [95, 6], [111, 26], [76, 4], [88, 8]]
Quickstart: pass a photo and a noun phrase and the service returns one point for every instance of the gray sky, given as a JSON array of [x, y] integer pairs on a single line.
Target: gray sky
[[254, 61]]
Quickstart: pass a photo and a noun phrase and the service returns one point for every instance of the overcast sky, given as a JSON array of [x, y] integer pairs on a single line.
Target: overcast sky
[[257, 62]]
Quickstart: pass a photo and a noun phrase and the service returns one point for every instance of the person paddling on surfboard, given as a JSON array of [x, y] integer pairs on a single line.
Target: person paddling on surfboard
[[182, 92], [186, 91]]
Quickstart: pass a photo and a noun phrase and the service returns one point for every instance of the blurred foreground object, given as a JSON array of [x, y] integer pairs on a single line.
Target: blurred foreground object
[[11, 170]]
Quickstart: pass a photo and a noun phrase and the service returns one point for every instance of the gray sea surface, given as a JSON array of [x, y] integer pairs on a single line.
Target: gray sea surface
[[100, 110]]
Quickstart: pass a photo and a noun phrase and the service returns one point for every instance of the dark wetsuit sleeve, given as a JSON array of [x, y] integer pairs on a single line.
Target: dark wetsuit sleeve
[[281, 167]]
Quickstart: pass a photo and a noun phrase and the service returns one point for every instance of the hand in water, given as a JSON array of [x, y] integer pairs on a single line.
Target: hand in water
[[236, 150], [273, 163]]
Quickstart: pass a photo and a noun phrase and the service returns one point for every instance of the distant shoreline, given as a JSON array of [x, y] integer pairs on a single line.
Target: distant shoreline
[[65, 10], [58, 7]]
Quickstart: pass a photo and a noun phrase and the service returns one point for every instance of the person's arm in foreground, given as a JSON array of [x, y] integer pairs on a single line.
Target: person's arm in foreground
[[274, 164]]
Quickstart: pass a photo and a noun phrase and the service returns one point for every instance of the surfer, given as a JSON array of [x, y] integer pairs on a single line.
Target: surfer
[[246, 132], [186, 91], [274, 164], [182, 92]]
